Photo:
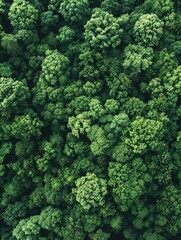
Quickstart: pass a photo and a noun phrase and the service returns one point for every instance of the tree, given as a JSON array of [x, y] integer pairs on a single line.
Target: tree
[[90, 131], [90, 191], [144, 134], [103, 30], [66, 35], [48, 19], [134, 107], [99, 143], [4, 151], [13, 95], [10, 44], [120, 88], [27, 229], [79, 124], [160, 7], [53, 68], [5, 70], [176, 47], [100, 235], [148, 30], [169, 210], [26, 126], [111, 106], [50, 218], [172, 82], [119, 122], [26, 36], [137, 58], [91, 222], [23, 15], [2, 6], [113, 7], [14, 213], [73, 225], [74, 10], [128, 182], [37, 198]]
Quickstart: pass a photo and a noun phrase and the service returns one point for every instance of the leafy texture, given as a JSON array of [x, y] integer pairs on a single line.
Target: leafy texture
[[90, 109]]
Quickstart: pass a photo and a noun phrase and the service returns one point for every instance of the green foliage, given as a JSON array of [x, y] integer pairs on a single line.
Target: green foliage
[[160, 7], [37, 198], [134, 107], [92, 89], [26, 126], [103, 30], [79, 124], [145, 133], [5, 70], [66, 35], [22, 14], [128, 182], [173, 82], [13, 95], [172, 21], [99, 143], [50, 218], [74, 10], [176, 47], [13, 213], [116, 222], [53, 113], [122, 153], [90, 191], [2, 6], [119, 122], [10, 44], [79, 104], [153, 236], [100, 235], [73, 225], [169, 206], [91, 222], [90, 132], [4, 150], [48, 19], [27, 229], [137, 58], [53, 67], [54, 5], [120, 88], [166, 61], [111, 106], [148, 30], [96, 108], [113, 7], [50, 150], [27, 36]]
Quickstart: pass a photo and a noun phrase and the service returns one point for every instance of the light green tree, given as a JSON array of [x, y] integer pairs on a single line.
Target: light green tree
[[90, 191]]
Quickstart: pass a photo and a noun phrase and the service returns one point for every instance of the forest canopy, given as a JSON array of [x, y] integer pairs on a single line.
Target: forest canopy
[[90, 120]]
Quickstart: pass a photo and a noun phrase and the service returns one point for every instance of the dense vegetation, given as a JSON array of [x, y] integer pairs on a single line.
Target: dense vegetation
[[90, 119]]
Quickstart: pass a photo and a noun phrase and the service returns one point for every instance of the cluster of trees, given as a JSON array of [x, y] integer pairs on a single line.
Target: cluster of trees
[[90, 130]]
